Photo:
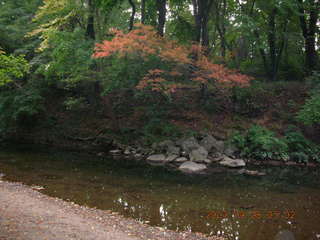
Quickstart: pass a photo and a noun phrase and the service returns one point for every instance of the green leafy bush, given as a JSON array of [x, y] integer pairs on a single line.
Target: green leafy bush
[[19, 108], [310, 112], [260, 143], [300, 148]]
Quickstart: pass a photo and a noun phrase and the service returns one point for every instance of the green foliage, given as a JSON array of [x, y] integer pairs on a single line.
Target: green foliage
[[75, 104], [251, 101], [300, 148], [70, 57], [12, 68], [15, 22], [310, 111], [260, 143], [19, 107], [158, 129]]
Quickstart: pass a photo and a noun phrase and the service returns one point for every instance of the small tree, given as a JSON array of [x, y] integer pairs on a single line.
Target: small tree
[[177, 65]]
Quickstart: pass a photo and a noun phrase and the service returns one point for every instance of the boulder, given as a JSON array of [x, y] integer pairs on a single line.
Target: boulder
[[198, 155], [165, 144], [127, 151], [251, 172], [230, 151], [232, 163], [115, 152], [171, 157], [285, 235], [215, 157], [192, 167], [181, 160], [157, 158], [173, 150], [188, 144], [209, 143], [208, 161]]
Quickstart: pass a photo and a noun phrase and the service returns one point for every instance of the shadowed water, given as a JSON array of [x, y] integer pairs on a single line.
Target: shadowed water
[[226, 204]]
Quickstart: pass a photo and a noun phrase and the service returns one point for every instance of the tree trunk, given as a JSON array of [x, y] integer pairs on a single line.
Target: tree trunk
[[272, 44], [162, 12], [143, 11], [201, 10], [109, 111], [309, 34], [133, 13], [90, 25]]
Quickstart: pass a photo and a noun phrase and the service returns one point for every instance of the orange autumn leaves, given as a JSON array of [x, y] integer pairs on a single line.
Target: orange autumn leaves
[[183, 62]]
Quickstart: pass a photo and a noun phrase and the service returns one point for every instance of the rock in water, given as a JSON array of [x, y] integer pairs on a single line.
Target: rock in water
[[157, 158], [198, 155], [285, 235], [232, 163], [181, 160], [171, 158], [115, 152], [192, 167]]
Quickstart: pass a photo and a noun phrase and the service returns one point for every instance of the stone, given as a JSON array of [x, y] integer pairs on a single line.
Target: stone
[[218, 146], [100, 154], [138, 155], [285, 235], [157, 158], [181, 159], [209, 142], [192, 167], [165, 144], [232, 163], [198, 155], [115, 151], [173, 150], [171, 158], [188, 144], [127, 151], [216, 157], [207, 161], [251, 172], [230, 151]]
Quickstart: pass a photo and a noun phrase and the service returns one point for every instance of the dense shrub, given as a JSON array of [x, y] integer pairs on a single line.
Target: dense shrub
[[261, 143], [310, 111], [300, 148], [19, 108]]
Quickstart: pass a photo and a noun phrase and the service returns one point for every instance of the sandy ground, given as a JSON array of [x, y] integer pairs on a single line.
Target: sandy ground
[[26, 214]]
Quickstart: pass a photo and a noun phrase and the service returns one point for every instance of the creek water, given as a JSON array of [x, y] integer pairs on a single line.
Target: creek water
[[225, 204]]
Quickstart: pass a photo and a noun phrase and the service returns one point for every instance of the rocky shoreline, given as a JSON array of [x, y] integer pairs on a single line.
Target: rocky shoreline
[[204, 155]]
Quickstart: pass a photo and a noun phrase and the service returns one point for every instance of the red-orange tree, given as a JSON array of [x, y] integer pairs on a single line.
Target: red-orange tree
[[181, 66]]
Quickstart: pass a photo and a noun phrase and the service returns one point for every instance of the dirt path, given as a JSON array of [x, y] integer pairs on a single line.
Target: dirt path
[[26, 214]]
